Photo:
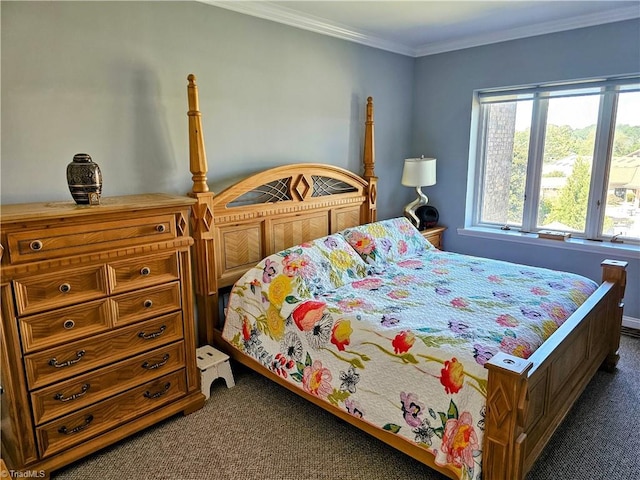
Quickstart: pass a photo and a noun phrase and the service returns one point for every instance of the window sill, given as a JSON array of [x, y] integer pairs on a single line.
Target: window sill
[[607, 248]]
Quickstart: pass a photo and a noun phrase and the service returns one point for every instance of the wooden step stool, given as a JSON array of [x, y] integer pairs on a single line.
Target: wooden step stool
[[213, 364]]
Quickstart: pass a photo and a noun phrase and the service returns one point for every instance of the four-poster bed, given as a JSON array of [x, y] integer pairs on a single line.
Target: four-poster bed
[[526, 399]]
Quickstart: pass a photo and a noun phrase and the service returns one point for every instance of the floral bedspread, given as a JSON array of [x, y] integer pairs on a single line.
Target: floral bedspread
[[400, 339]]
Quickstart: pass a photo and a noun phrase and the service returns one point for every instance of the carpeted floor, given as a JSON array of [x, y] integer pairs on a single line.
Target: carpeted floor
[[260, 431]]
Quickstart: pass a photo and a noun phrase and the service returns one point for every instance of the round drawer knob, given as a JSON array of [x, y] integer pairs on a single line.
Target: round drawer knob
[[148, 304], [160, 228], [36, 245], [69, 324], [145, 271], [65, 288]]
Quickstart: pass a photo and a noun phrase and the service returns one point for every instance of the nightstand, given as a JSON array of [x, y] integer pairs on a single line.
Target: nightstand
[[434, 235]]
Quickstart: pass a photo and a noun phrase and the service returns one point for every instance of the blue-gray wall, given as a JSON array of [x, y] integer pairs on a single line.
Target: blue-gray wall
[[444, 88], [109, 79]]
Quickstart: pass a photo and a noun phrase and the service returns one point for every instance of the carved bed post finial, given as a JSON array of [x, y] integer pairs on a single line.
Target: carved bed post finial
[[197, 155], [369, 160], [369, 152], [202, 223]]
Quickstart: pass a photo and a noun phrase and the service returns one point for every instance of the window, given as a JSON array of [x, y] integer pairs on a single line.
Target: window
[[564, 158]]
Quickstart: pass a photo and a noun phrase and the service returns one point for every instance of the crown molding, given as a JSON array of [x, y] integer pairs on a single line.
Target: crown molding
[[588, 20], [293, 18]]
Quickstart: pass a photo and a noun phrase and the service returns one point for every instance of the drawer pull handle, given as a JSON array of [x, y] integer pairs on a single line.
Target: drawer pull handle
[[148, 303], [69, 324], [144, 271], [36, 245], [62, 398], [160, 228], [153, 366], [148, 394], [66, 431], [54, 363], [65, 288], [149, 336]]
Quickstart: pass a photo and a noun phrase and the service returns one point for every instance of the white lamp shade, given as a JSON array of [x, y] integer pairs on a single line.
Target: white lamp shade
[[419, 172]]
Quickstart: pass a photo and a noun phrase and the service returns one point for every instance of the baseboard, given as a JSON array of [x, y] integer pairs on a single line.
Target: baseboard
[[630, 322]]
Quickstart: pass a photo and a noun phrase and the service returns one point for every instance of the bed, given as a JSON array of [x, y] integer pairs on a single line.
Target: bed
[[288, 222]]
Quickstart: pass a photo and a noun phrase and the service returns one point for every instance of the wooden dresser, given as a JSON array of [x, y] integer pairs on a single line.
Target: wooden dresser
[[97, 325]]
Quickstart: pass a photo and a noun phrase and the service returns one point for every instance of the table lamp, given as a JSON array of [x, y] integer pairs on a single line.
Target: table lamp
[[418, 172]]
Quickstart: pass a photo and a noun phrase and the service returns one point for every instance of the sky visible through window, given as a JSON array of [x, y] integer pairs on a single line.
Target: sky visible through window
[[578, 117]]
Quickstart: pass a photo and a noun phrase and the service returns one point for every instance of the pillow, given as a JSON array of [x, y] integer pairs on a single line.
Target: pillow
[[386, 241], [323, 264]]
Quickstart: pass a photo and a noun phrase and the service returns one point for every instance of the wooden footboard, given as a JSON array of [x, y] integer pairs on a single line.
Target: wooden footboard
[[527, 399]]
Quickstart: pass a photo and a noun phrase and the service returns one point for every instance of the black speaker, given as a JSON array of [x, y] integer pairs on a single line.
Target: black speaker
[[428, 217]]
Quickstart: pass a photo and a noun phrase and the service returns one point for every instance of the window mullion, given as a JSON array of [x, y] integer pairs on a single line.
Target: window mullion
[[479, 173], [534, 164], [600, 167]]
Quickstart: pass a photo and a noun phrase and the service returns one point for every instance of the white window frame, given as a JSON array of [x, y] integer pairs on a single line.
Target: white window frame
[[540, 94]]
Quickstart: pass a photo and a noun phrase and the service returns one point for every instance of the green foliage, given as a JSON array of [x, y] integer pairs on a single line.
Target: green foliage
[[544, 210], [627, 140], [518, 176], [559, 142], [608, 224], [570, 208], [585, 139]]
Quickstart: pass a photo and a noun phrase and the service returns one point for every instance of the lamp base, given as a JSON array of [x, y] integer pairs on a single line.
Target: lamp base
[[410, 209]]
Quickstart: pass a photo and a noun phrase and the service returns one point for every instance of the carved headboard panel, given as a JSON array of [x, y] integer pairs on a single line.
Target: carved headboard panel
[[281, 207]]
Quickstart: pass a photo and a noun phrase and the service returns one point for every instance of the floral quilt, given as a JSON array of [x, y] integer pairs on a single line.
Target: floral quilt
[[378, 322]]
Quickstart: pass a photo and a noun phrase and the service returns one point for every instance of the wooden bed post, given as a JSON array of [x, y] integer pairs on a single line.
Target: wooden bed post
[[614, 271], [507, 403], [202, 220], [369, 161]]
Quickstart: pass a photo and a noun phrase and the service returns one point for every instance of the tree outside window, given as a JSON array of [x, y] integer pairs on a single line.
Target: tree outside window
[[563, 158]]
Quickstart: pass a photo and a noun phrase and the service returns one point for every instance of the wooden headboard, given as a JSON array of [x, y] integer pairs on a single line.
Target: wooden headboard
[[266, 212]]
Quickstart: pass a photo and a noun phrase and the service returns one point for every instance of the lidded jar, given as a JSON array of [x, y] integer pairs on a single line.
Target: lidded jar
[[85, 180]]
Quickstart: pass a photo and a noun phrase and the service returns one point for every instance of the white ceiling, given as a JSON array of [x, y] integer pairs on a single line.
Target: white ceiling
[[425, 27]]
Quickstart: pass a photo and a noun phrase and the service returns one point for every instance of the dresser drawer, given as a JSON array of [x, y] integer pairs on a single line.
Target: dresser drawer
[[65, 324], [40, 292], [90, 422], [150, 302], [63, 398], [60, 363], [58, 241], [142, 272]]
